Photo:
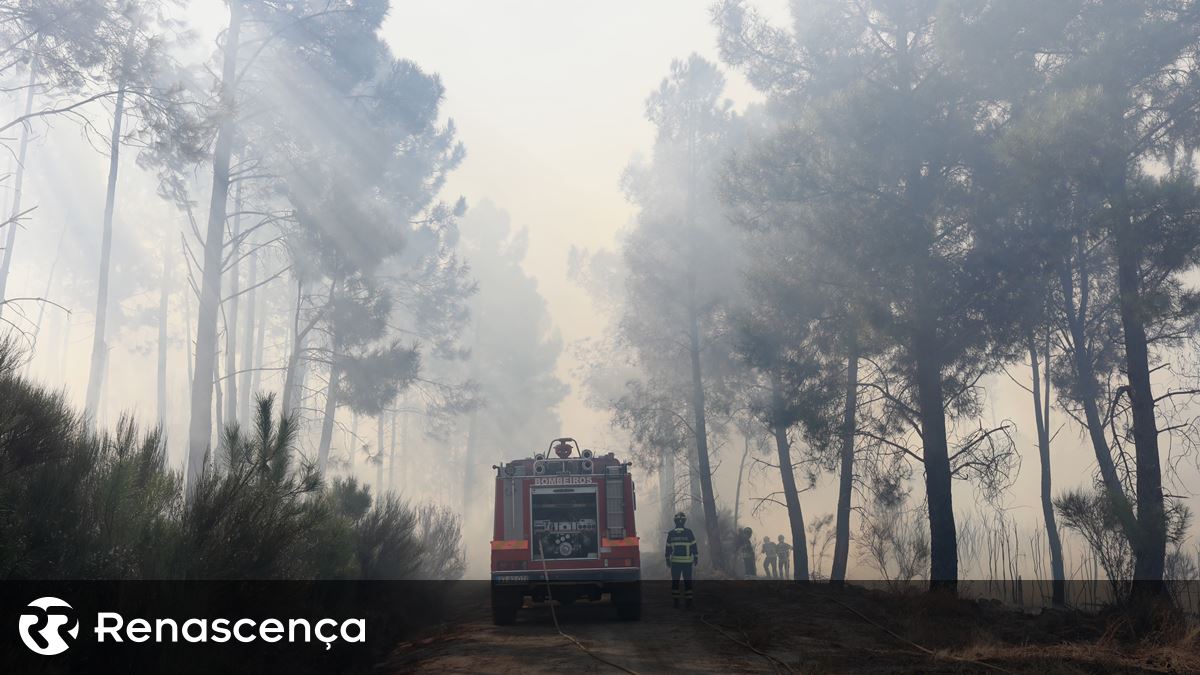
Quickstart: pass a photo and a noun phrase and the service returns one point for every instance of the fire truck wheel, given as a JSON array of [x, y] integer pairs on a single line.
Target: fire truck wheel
[[628, 599], [505, 603]]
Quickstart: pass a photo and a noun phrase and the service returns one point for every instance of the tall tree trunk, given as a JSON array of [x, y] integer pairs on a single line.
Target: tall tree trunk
[[261, 331], [218, 405], [248, 365], [405, 420], [331, 389], [737, 493], [706, 484], [291, 375], [1041, 412], [37, 327], [379, 456], [943, 537], [666, 488], [10, 238], [469, 461], [841, 542], [330, 414], [187, 332], [231, 315], [164, 307], [1150, 546], [1089, 391], [391, 480], [707, 494], [200, 425], [65, 354], [99, 342], [695, 502], [352, 446], [791, 495]]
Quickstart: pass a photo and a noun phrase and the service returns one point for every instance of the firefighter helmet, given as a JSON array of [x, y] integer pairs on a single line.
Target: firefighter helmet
[[680, 519]]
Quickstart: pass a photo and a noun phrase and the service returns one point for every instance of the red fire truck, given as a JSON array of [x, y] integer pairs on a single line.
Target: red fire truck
[[565, 531]]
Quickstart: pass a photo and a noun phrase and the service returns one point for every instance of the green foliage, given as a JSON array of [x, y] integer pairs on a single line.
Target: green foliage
[[75, 504], [82, 505], [1092, 515]]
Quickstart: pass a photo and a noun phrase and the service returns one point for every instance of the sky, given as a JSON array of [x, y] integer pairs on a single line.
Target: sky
[[549, 99]]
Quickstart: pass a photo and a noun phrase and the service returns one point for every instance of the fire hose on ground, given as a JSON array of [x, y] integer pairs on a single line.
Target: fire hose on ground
[[557, 627]]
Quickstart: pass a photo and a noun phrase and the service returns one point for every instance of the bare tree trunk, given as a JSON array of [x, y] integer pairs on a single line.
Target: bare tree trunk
[[666, 488], [737, 493], [330, 415], [218, 409], [1041, 412], [406, 421], [1089, 391], [163, 317], [841, 542], [99, 343], [331, 389], [695, 503], [707, 494], [791, 495], [231, 315], [37, 327], [11, 234], [391, 481], [200, 425], [187, 326], [1150, 546], [469, 461], [943, 546], [248, 365], [352, 446], [65, 356], [256, 376], [379, 488], [291, 377]]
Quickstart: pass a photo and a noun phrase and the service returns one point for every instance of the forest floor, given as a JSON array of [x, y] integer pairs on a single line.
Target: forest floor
[[766, 627]]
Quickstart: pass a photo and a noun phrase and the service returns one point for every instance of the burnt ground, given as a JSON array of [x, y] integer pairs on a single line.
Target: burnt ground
[[767, 627]]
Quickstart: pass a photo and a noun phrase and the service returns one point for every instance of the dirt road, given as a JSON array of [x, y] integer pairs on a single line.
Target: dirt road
[[664, 640], [797, 629]]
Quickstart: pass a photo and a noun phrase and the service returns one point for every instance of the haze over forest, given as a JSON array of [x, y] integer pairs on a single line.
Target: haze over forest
[[710, 239]]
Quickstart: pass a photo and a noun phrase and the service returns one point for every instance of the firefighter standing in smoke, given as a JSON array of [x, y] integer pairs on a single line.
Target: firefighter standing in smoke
[[784, 550], [682, 554], [769, 555], [745, 545]]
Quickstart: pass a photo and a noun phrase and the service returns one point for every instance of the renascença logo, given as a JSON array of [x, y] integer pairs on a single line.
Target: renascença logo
[[47, 619], [44, 623]]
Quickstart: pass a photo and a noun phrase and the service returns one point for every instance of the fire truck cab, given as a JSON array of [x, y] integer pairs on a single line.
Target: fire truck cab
[[565, 531]]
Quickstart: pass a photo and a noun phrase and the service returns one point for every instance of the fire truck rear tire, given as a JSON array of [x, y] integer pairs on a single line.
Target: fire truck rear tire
[[505, 603], [628, 599]]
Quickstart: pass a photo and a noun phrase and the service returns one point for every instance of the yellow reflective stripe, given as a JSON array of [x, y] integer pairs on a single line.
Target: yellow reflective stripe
[[509, 544], [627, 541]]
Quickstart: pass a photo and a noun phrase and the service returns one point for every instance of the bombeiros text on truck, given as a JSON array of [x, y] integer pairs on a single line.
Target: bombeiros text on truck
[[565, 530]]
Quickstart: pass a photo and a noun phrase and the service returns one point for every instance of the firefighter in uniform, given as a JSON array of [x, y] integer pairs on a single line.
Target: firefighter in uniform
[[784, 551], [682, 554], [769, 555], [745, 546]]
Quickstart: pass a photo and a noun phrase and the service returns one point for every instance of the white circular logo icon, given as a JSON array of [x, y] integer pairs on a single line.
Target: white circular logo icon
[[43, 624]]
